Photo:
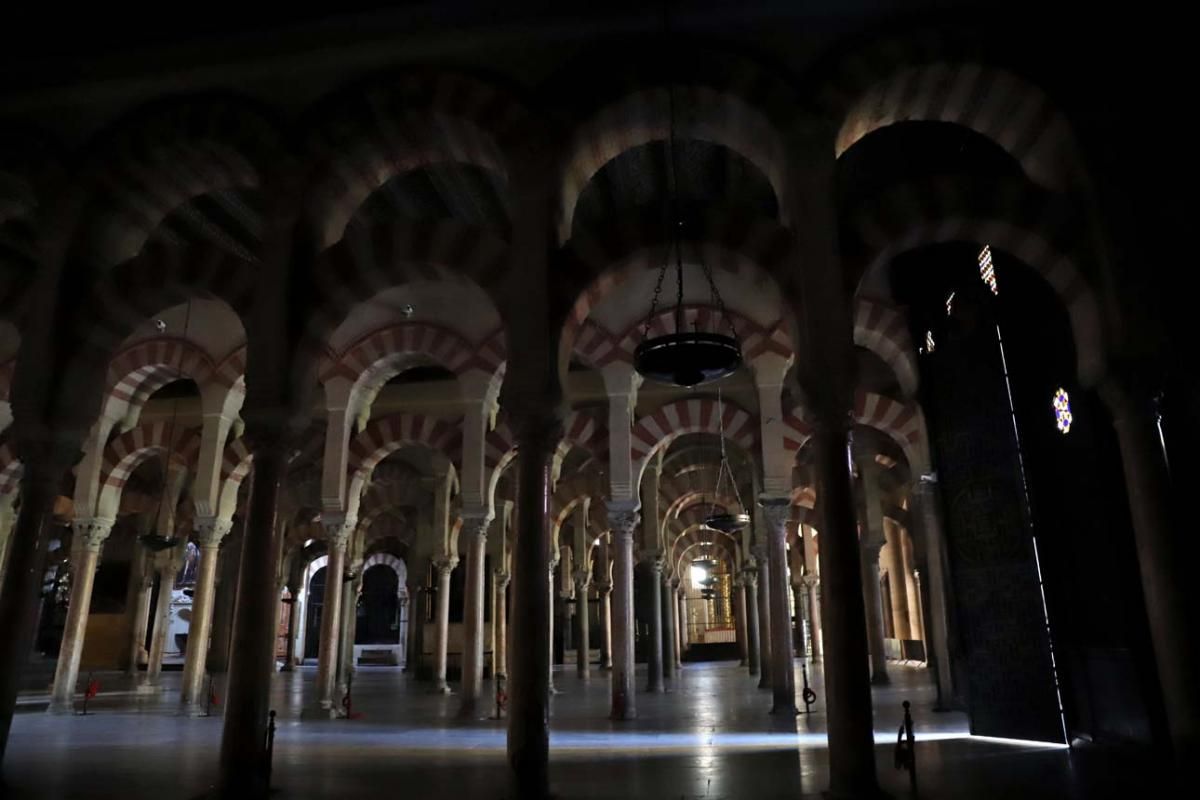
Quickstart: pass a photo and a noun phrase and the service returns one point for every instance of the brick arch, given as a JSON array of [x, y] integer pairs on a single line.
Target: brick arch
[[436, 342], [641, 117], [385, 435], [125, 452], [1014, 113], [883, 329], [165, 153], [754, 250], [140, 370], [901, 421], [693, 415], [393, 563], [399, 121], [690, 538], [231, 370], [1038, 229]]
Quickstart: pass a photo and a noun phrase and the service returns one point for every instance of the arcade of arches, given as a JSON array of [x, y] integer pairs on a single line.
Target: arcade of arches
[[326, 377]]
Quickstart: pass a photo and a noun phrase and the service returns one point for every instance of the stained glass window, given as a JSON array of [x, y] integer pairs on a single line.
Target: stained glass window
[[1062, 410]]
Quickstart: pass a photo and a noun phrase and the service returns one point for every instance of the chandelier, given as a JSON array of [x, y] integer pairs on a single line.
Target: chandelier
[[684, 358], [717, 519]]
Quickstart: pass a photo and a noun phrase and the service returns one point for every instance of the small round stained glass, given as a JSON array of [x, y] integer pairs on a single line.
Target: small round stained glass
[[1062, 411]]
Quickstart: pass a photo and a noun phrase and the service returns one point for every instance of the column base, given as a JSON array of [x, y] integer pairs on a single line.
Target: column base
[[60, 708], [443, 689], [880, 679], [784, 709], [196, 710]]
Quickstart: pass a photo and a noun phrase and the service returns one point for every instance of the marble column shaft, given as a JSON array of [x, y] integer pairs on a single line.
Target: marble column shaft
[[90, 535], [209, 534], [753, 628], [441, 641], [669, 609], [654, 653], [475, 529], [337, 533], [783, 678], [763, 599], [624, 705]]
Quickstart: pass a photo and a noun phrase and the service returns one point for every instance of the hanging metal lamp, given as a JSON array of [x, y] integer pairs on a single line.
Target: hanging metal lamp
[[724, 521], [686, 357]]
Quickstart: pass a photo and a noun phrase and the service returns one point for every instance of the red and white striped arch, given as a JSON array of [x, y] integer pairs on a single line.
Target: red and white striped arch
[[901, 421], [11, 470], [139, 371], [694, 415], [124, 453], [641, 118], [883, 329], [385, 435], [436, 343], [1013, 113]]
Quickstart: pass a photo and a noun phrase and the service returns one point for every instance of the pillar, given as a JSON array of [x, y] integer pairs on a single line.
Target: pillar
[[622, 521], [529, 668], [90, 535], [669, 609], [475, 530], [141, 611], [583, 645], [351, 586], [783, 670], [228, 567], [22, 583], [654, 655], [912, 590], [1161, 563], [874, 613], [167, 566], [337, 534], [248, 687], [604, 591], [739, 619], [897, 582], [553, 598], [289, 659], [803, 626], [937, 617], [417, 597], [500, 623], [679, 603], [753, 632], [209, 533], [441, 641], [847, 682], [763, 600], [812, 583]]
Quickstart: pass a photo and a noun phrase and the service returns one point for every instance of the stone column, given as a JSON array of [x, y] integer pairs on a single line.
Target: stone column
[[803, 625], [937, 625], [416, 622], [248, 688], [22, 583], [475, 530], [351, 585], [167, 567], [441, 642], [654, 656], [783, 670], [583, 646], [753, 630], [677, 604], [553, 601], [1161, 562], [90, 535], [529, 668], [622, 521], [500, 623], [739, 619], [604, 592], [670, 608], [813, 584], [289, 659], [763, 599], [897, 582], [919, 610], [847, 683], [141, 610], [874, 611], [912, 590], [228, 567], [337, 534], [209, 533]]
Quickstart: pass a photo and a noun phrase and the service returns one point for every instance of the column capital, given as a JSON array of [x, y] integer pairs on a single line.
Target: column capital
[[750, 577], [623, 519], [604, 587], [811, 580], [759, 551], [90, 532], [777, 511], [445, 565], [502, 577], [655, 562], [211, 530], [475, 523], [338, 528]]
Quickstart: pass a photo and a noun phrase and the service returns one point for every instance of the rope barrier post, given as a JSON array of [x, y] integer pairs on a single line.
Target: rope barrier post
[[810, 697], [906, 754]]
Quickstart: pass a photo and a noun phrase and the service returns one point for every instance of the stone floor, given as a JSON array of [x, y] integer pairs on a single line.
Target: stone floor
[[709, 738]]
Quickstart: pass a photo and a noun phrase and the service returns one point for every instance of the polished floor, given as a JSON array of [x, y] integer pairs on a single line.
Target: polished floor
[[711, 737]]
